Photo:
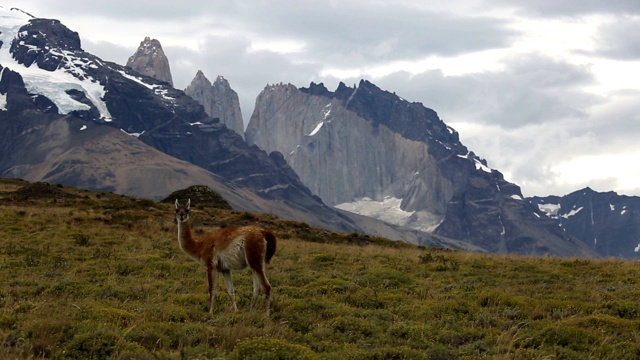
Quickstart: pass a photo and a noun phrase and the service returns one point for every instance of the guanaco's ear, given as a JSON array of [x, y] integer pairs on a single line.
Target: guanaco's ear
[[176, 204], [188, 204]]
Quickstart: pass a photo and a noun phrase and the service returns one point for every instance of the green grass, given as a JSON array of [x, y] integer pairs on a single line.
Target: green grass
[[101, 276]]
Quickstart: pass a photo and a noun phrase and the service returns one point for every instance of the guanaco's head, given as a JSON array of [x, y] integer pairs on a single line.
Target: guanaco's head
[[182, 211]]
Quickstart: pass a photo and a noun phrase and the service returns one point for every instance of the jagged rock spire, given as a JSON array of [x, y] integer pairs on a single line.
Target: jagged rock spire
[[218, 100], [150, 60]]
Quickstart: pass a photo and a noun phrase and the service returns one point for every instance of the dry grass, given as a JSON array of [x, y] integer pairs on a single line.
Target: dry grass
[[101, 276]]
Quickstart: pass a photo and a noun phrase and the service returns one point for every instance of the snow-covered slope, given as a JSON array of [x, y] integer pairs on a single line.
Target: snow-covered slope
[[54, 85]]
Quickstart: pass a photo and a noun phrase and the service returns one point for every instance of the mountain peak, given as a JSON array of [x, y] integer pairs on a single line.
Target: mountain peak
[[149, 59], [218, 99], [199, 80], [317, 89], [221, 81]]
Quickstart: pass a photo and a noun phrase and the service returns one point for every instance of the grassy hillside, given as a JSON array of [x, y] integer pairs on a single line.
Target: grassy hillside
[[101, 276]]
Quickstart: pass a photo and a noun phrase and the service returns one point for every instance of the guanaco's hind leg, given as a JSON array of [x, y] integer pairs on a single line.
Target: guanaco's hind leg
[[212, 275], [228, 281], [260, 281]]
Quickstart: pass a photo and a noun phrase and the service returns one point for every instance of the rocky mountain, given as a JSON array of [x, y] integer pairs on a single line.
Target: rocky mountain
[[218, 99], [605, 221], [371, 152], [68, 116], [150, 60]]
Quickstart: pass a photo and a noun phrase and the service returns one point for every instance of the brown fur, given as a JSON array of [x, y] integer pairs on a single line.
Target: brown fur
[[228, 249]]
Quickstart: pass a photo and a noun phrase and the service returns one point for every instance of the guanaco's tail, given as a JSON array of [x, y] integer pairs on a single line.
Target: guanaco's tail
[[271, 245]]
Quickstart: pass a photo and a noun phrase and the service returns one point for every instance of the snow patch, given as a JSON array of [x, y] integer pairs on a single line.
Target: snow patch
[[273, 188], [481, 166], [133, 134], [326, 111], [465, 156], [158, 89], [3, 102], [572, 212], [84, 127], [551, 210], [478, 164], [389, 207], [612, 207], [388, 210], [318, 127], [637, 248], [294, 150], [515, 196]]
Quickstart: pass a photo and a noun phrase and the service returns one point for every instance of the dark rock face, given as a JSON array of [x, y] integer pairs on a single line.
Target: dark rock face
[[150, 60], [364, 145], [607, 222], [38, 37], [218, 99]]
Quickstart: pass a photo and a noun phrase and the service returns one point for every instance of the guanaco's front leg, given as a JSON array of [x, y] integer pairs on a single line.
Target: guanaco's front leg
[[228, 281]]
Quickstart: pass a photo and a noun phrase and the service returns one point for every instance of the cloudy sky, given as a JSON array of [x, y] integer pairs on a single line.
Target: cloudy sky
[[547, 91]]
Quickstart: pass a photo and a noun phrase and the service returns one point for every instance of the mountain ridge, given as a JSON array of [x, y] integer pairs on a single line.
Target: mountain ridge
[[366, 144], [445, 194], [605, 221], [55, 110], [82, 92]]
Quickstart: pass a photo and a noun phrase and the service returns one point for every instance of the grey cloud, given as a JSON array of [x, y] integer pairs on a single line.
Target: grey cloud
[[123, 9], [532, 90], [569, 8], [616, 124], [344, 33], [108, 51], [620, 40], [336, 33]]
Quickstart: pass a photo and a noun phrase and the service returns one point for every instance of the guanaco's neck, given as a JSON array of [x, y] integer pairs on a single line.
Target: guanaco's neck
[[185, 240]]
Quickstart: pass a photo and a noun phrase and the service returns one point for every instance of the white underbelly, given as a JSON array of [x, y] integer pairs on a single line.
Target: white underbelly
[[233, 257]]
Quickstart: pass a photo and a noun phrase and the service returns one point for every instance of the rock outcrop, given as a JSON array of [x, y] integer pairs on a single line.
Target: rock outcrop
[[369, 151], [218, 99], [150, 60]]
